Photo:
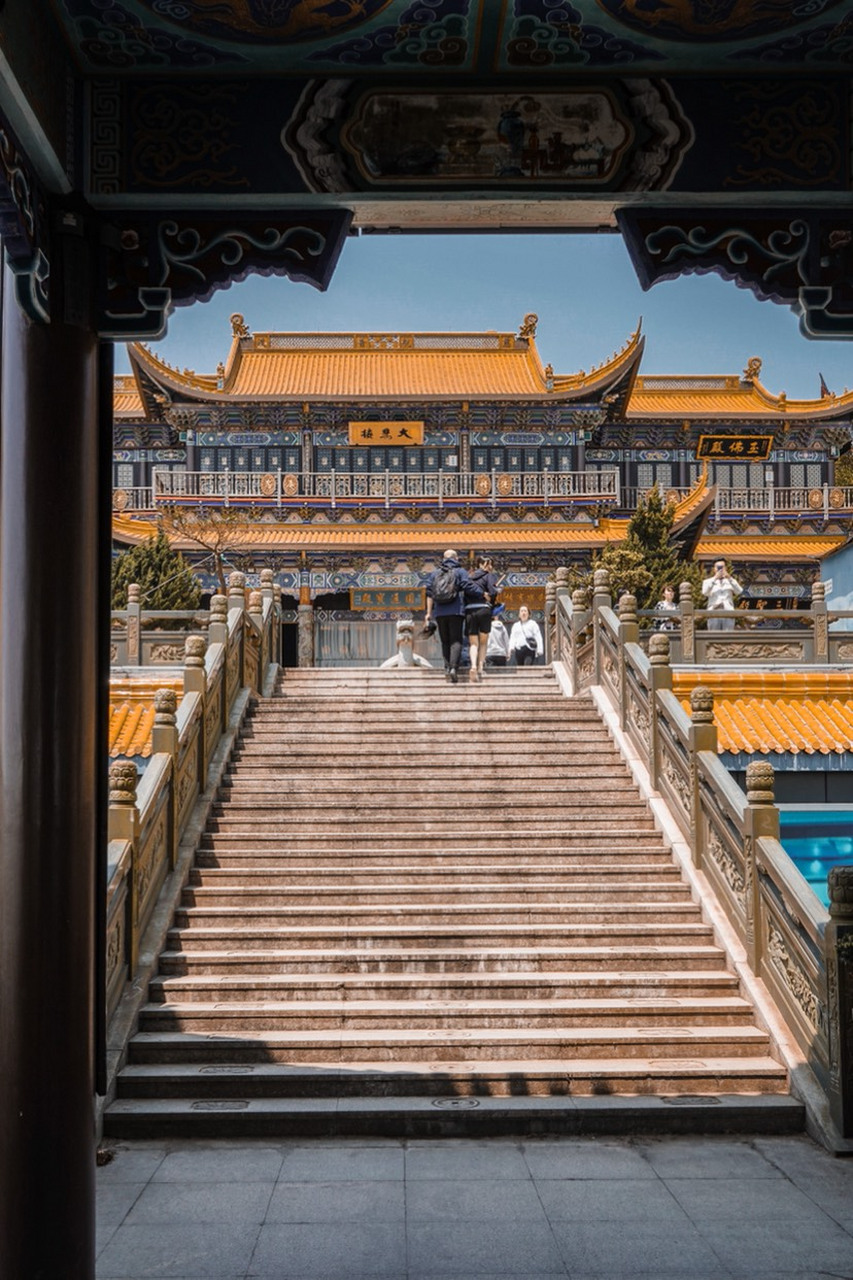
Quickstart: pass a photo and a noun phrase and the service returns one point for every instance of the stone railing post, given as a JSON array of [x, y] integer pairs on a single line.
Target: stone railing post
[[688, 623], [629, 633], [277, 646], [123, 824], [195, 681], [236, 590], [660, 677], [838, 953], [258, 655], [761, 819], [561, 591], [217, 631], [579, 602], [549, 638], [601, 599], [820, 624], [134, 626], [164, 737], [195, 678], [267, 584], [702, 736]]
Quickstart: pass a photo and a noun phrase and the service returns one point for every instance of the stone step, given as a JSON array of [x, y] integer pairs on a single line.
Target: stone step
[[413, 1016], [603, 878], [717, 1100], [409, 963], [494, 805], [414, 896], [543, 1079], [424, 916], [413, 844], [295, 788], [385, 1044], [382, 936], [557, 985], [235, 852], [384, 828]]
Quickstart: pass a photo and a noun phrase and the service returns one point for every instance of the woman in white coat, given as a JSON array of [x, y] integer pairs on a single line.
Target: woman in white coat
[[525, 639]]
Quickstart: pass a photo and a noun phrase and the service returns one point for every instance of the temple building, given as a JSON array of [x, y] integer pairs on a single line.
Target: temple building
[[348, 461]]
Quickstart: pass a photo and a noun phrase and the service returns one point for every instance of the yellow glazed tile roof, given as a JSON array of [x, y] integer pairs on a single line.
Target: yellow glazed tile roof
[[781, 547], [132, 714], [723, 396], [420, 366], [127, 402], [758, 712]]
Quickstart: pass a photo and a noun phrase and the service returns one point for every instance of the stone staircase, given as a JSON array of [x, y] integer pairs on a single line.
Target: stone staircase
[[428, 908]]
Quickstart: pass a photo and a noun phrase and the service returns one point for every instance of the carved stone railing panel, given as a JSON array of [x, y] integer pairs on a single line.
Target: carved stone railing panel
[[186, 766], [155, 835], [118, 924], [675, 775], [791, 926], [722, 846]]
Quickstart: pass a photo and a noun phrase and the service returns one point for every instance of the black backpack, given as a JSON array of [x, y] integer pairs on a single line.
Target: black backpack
[[445, 586]]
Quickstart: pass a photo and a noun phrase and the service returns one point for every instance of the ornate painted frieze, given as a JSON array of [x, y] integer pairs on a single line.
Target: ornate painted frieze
[[591, 137]]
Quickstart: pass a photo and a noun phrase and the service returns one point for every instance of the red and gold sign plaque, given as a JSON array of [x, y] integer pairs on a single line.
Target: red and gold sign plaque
[[727, 448], [386, 433]]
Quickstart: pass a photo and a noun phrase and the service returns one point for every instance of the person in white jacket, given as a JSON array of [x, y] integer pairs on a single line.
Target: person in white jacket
[[497, 649], [525, 639], [720, 590]]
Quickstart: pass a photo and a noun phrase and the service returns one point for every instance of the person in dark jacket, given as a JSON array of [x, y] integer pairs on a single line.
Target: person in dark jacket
[[480, 594], [449, 614]]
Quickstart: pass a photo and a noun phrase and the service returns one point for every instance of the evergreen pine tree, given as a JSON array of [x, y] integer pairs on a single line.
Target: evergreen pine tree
[[165, 578]]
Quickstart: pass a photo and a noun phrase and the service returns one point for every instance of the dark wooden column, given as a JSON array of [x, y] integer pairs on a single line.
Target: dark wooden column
[[48, 788]]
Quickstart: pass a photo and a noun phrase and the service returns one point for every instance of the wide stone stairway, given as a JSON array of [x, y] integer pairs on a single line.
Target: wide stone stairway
[[427, 908]]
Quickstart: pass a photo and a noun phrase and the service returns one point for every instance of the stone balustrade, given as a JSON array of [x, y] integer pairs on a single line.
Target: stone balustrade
[[233, 650], [802, 953]]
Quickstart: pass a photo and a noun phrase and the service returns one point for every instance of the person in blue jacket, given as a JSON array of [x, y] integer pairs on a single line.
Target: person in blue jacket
[[480, 596], [449, 613]]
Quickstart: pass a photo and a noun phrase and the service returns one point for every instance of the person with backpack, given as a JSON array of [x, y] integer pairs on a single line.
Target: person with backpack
[[445, 602], [480, 595]]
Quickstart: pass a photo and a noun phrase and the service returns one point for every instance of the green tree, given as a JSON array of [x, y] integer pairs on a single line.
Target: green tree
[[164, 577], [649, 534]]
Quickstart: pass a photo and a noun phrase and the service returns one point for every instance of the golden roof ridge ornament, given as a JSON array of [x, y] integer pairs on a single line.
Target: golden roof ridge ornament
[[528, 326], [752, 372], [239, 328]]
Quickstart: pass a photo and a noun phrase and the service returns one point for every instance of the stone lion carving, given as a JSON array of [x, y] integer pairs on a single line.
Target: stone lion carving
[[405, 655]]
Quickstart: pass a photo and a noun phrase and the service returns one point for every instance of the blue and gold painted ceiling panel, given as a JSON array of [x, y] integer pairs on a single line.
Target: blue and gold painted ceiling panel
[[307, 37]]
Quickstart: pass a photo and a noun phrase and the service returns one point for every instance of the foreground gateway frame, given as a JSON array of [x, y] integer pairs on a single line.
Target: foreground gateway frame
[[150, 154]]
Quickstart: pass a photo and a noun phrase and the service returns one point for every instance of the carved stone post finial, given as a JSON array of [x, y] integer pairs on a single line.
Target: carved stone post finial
[[236, 590], [688, 627], [579, 600], [759, 782], [627, 608], [840, 885], [659, 649], [818, 591], [165, 706], [601, 582], [702, 704], [218, 609], [133, 592], [685, 593], [123, 780], [561, 578], [256, 603]]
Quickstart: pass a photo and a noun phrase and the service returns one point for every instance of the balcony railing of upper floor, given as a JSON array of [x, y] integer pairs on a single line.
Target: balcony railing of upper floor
[[382, 488], [772, 501]]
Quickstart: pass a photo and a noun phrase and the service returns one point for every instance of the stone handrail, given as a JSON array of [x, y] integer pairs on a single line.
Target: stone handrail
[[803, 954], [148, 817]]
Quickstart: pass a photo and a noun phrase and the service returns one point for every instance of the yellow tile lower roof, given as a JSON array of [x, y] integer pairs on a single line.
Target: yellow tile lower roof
[[788, 548], [132, 714], [764, 712]]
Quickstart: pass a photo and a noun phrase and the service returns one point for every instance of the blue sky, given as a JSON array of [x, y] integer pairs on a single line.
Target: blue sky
[[582, 287]]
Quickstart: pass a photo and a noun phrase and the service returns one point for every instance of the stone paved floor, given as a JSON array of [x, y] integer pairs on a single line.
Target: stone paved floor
[[677, 1208]]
